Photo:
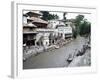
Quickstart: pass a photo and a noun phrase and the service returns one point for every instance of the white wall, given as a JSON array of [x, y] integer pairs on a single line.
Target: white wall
[[5, 40]]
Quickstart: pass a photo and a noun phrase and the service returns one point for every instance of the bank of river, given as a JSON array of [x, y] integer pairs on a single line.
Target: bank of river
[[55, 58]]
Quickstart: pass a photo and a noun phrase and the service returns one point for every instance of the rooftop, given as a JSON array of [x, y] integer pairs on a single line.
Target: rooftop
[[29, 25], [32, 13], [38, 20], [29, 32]]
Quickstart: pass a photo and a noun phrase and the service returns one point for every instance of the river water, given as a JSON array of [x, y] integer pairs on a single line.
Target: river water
[[55, 58]]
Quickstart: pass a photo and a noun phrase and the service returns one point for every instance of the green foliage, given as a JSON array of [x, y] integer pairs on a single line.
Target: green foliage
[[85, 28], [74, 33], [78, 19], [47, 16]]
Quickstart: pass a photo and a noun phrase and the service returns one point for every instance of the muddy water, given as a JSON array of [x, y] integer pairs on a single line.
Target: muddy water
[[55, 58]]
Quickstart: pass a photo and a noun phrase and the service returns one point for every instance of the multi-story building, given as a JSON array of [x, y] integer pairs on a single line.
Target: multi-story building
[[29, 32], [31, 23], [63, 30]]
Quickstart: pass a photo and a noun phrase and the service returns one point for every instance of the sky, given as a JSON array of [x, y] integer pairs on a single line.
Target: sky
[[68, 15], [72, 15]]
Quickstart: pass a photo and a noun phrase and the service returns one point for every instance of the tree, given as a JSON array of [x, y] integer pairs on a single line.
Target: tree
[[74, 33], [64, 16], [85, 28], [47, 16], [82, 26], [78, 19], [56, 16], [77, 22]]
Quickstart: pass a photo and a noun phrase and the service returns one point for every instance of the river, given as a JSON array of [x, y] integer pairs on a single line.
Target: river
[[55, 58]]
